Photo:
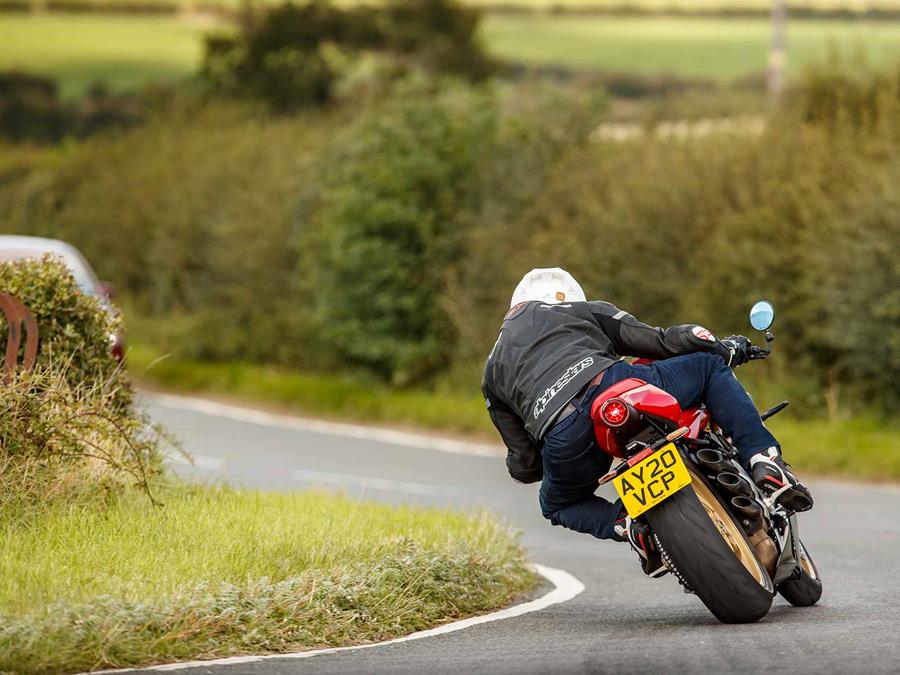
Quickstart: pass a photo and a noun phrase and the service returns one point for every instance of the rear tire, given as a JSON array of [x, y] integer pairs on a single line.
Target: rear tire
[[806, 590], [706, 561]]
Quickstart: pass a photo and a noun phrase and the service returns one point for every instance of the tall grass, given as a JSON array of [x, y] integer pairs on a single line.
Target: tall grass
[[329, 395], [219, 572]]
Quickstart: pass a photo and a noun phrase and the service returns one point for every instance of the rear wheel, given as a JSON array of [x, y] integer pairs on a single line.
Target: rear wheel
[[711, 554], [806, 589]]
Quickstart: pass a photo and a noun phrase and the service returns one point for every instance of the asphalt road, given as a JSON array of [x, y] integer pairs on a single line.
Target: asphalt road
[[623, 622]]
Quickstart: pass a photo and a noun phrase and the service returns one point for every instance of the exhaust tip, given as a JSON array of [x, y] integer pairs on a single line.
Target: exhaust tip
[[743, 503], [708, 456]]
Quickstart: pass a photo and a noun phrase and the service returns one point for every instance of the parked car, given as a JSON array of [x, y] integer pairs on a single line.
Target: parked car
[[13, 247]]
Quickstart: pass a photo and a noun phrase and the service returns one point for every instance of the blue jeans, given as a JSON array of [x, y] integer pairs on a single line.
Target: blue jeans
[[573, 462]]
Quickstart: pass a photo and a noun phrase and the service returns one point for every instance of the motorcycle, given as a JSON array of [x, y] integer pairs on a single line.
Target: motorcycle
[[719, 535]]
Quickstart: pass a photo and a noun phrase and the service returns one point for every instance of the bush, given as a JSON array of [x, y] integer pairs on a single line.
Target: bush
[[61, 443], [386, 236], [192, 217], [74, 328], [68, 429], [841, 96], [292, 55], [31, 110]]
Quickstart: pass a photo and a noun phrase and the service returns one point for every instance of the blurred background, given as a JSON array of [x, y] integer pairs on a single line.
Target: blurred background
[[325, 206]]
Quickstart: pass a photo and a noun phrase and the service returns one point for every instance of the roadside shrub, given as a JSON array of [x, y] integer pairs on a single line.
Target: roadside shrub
[[696, 231], [61, 442], [68, 430], [74, 328]]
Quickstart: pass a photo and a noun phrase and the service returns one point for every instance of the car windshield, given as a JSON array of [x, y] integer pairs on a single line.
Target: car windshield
[[84, 275]]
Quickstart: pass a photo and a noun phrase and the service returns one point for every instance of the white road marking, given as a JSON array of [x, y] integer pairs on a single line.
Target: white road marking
[[199, 461], [364, 482], [380, 434], [565, 588]]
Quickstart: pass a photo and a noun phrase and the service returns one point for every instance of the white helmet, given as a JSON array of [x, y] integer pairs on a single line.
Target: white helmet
[[550, 285]]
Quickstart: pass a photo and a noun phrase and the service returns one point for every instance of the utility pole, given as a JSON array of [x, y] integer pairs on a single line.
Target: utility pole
[[777, 53]]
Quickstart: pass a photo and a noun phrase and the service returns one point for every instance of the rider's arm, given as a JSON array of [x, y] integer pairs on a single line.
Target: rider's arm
[[523, 459], [630, 337]]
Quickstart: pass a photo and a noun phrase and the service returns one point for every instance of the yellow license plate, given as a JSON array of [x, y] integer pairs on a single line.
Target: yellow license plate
[[658, 477]]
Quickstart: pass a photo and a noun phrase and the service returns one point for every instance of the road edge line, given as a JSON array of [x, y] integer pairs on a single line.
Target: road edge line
[[342, 429], [565, 587]]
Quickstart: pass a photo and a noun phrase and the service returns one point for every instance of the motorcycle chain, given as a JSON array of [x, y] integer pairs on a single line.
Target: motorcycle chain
[[670, 565]]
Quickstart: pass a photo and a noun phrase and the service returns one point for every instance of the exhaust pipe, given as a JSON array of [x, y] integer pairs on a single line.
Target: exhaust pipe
[[734, 483], [713, 459], [749, 512]]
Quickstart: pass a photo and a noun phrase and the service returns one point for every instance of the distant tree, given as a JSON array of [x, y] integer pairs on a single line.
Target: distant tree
[[287, 55], [29, 108], [440, 34]]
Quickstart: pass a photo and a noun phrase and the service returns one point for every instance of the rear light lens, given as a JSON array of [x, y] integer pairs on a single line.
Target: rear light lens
[[614, 412]]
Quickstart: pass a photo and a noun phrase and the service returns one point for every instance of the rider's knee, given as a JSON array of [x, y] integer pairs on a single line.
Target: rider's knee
[[709, 361]]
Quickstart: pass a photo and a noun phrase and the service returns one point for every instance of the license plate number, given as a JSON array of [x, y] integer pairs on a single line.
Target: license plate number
[[655, 479]]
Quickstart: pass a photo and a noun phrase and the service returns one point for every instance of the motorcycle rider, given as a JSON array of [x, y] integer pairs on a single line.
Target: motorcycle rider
[[556, 352]]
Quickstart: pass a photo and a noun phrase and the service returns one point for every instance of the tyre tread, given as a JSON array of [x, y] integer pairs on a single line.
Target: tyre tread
[[706, 562]]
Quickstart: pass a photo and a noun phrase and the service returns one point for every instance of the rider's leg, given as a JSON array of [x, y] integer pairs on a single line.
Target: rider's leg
[[592, 515], [572, 465], [705, 378]]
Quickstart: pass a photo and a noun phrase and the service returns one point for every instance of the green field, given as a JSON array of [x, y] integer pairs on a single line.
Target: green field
[[125, 52], [611, 6], [122, 52], [721, 48]]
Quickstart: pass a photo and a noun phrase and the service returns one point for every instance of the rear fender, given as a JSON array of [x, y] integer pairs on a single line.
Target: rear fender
[[642, 396]]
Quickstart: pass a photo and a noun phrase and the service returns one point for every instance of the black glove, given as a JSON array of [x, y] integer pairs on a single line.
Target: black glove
[[738, 348]]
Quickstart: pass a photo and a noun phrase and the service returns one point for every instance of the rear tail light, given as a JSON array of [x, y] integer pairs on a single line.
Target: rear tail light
[[614, 412]]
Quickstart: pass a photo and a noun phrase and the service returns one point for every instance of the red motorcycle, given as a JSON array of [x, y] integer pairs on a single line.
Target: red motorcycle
[[720, 536]]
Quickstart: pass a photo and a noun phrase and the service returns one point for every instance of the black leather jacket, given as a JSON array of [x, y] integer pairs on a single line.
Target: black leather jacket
[[544, 356]]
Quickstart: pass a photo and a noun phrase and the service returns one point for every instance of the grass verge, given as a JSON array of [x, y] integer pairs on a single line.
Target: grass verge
[[219, 572], [335, 396], [857, 447]]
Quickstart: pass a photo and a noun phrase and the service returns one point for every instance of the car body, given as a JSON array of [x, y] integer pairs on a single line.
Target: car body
[[15, 247]]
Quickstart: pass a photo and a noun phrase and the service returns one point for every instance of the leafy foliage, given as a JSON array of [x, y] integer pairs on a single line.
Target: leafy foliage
[[71, 443], [385, 239], [31, 110], [74, 328], [292, 55], [68, 430], [386, 227]]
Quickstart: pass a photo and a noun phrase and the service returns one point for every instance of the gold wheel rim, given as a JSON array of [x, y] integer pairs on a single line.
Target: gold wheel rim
[[806, 564], [729, 530]]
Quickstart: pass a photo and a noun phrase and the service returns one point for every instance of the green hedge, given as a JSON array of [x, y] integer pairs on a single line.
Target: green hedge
[[385, 235]]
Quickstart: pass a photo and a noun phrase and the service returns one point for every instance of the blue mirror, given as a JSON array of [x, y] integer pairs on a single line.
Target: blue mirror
[[762, 314]]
